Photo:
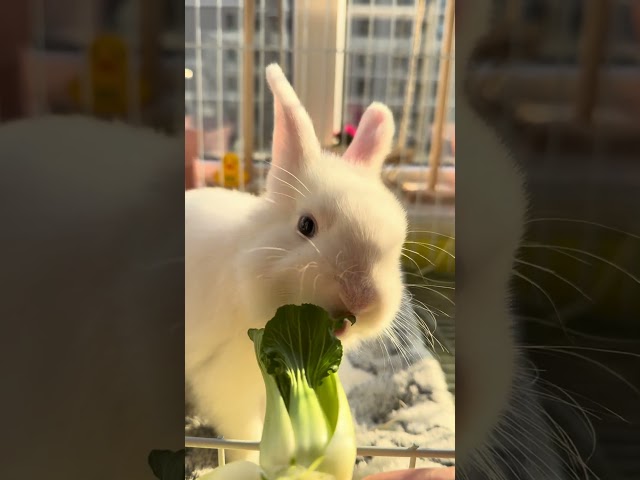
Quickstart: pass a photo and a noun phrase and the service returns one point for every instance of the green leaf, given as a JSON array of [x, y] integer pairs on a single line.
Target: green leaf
[[299, 338], [307, 413], [327, 394], [167, 465]]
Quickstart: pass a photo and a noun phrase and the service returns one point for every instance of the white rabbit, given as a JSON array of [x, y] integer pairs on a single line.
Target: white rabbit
[[327, 231]]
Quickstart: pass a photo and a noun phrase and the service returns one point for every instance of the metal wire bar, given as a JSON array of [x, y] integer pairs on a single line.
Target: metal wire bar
[[403, 130], [408, 452], [441, 105]]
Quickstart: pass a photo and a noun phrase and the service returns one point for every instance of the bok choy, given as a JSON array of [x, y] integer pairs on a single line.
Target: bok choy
[[308, 430]]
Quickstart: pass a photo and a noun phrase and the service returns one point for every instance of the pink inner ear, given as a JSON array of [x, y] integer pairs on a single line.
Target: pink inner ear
[[372, 141], [286, 145], [294, 139], [362, 150]]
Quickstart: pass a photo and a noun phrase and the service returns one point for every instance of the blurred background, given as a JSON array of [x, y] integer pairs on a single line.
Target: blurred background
[[558, 80], [340, 56], [96, 57]]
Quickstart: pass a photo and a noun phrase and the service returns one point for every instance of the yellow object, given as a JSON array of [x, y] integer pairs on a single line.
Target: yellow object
[[231, 171], [109, 78]]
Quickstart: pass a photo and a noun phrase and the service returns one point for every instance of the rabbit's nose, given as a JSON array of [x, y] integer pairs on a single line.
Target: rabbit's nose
[[339, 312], [359, 299]]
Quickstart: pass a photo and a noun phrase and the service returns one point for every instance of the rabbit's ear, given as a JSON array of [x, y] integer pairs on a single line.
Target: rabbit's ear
[[372, 142], [294, 139]]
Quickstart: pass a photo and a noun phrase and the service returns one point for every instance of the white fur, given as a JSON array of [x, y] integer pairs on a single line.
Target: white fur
[[502, 430], [487, 241], [234, 283]]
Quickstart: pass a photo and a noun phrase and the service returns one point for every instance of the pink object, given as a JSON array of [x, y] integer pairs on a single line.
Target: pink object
[[350, 130], [445, 473], [216, 141]]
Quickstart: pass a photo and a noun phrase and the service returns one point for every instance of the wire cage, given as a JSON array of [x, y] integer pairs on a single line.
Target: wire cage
[[413, 453], [340, 56]]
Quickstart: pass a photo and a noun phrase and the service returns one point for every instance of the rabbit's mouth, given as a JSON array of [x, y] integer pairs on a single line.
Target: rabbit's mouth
[[343, 324]]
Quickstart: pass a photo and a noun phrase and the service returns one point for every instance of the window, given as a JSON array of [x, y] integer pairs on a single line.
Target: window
[[231, 84], [404, 28], [208, 19], [210, 88], [418, 91], [379, 86], [400, 64], [230, 20], [272, 57], [189, 24], [360, 27], [231, 57], [382, 28], [359, 62], [230, 111], [272, 31], [289, 23], [397, 114], [273, 24], [380, 66], [209, 119], [434, 89], [398, 88], [377, 71]]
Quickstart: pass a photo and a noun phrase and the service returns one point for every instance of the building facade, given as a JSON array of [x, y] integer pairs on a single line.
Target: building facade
[[378, 50]]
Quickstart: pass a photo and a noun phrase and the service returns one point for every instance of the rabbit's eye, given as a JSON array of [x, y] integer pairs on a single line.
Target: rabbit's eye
[[307, 226]]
